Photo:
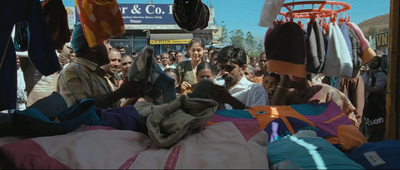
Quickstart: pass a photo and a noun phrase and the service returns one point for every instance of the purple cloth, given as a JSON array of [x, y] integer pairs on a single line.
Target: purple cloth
[[277, 128], [331, 111], [123, 118]]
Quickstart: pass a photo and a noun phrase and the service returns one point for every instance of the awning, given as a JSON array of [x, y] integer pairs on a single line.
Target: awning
[[175, 38]]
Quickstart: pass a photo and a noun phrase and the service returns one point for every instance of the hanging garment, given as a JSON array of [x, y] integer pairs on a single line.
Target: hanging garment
[[356, 52], [345, 32], [41, 49], [315, 48], [101, 20], [338, 60], [269, 12], [21, 37], [190, 15], [285, 49], [56, 17], [366, 52]]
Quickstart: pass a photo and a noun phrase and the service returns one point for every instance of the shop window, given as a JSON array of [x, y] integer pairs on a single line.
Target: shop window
[[130, 43]]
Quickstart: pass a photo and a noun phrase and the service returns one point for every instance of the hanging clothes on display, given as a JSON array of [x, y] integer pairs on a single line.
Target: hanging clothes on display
[[285, 49], [269, 12], [366, 52], [338, 60], [41, 49], [315, 47], [356, 52], [101, 20], [56, 17]]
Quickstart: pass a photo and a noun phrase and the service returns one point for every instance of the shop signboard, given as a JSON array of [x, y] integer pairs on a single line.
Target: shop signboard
[[178, 41], [147, 13], [382, 40]]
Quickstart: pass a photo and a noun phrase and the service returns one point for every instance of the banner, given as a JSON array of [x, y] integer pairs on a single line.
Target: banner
[[147, 13], [382, 40]]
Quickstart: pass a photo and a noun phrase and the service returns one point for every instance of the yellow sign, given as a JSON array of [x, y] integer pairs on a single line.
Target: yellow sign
[[180, 41], [382, 40]]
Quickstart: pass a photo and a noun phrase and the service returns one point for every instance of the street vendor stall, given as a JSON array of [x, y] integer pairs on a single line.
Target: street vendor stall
[[190, 132]]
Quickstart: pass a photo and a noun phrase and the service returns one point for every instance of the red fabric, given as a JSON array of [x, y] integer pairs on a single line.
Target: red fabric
[[129, 162], [247, 129], [24, 154], [173, 158]]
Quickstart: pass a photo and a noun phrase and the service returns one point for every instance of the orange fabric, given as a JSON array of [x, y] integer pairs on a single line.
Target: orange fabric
[[367, 55], [258, 80], [350, 137], [283, 67], [100, 19], [266, 114]]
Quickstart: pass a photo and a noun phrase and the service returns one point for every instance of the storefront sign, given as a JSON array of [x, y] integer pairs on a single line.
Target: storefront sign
[[382, 40], [180, 41], [147, 13]]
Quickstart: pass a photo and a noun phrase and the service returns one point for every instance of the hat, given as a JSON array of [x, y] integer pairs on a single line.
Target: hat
[[285, 50], [191, 15], [78, 40]]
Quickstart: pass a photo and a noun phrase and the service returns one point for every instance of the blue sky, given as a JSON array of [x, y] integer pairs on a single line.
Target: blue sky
[[245, 14]]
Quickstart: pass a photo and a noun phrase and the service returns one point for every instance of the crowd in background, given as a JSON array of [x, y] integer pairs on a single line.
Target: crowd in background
[[239, 81]]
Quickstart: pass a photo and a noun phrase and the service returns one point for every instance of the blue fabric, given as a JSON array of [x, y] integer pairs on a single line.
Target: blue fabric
[[123, 118], [41, 49], [308, 153], [166, 84], [235, 113], [345, 32], [32, 122], [388, 151], [305, 109], [78, 40]]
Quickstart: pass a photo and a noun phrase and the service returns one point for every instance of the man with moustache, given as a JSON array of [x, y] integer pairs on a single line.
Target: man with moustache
[[85, 79], [232, 62], [112, 68]]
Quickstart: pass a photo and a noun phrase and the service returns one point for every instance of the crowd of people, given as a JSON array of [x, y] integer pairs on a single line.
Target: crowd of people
[[238, 81]]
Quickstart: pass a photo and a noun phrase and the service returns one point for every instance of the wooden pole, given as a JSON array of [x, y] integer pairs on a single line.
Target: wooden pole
[[393, 86]]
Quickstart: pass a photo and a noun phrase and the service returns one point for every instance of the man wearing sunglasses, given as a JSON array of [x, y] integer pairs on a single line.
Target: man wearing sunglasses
[[232, 62]]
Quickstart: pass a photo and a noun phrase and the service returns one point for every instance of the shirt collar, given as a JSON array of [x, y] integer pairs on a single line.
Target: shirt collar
[[242, 84], [91, 65]]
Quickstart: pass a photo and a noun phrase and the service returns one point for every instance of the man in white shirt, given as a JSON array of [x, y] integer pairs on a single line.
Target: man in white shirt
[[232, 61]]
